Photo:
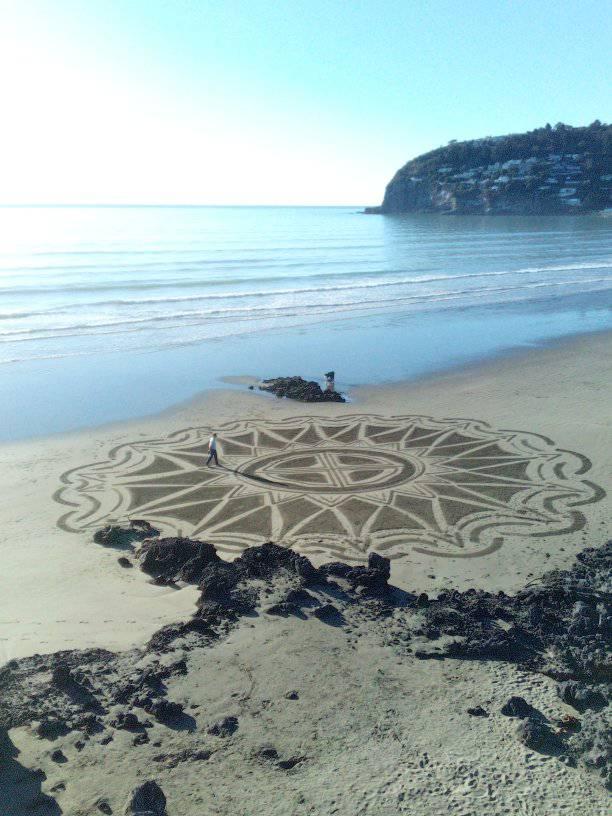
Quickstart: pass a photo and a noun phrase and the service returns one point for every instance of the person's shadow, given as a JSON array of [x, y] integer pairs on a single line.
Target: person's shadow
[[20, 787], [250, 477]]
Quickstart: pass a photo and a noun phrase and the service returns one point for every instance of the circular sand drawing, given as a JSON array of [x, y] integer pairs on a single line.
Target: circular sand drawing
[[331, 470], [339, 487]]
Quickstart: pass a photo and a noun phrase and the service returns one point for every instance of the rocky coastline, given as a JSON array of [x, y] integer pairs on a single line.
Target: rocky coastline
[[548, 171], [559, 627]]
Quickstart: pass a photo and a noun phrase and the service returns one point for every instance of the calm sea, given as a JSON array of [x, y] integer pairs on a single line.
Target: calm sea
[[192, 293]]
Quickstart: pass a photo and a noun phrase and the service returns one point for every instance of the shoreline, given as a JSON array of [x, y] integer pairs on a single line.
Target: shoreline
[[380, 349], [354, 392]]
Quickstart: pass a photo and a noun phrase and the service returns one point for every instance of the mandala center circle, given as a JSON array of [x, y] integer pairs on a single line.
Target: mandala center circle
[[330, 470]]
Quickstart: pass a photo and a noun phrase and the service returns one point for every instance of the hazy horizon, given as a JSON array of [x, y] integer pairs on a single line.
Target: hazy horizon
[[258, 104], [177, 205]]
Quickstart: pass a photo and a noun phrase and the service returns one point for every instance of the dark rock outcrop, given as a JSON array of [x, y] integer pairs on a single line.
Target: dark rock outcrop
[[581, 697], [478, 711], [517, 707], [591, 745], [124, 536], [176, 559], [165, 710], [51, 728], [224, 727], [299, 389], [126, 721], [537, 736], [147, 799], [559, 626], [328, 613], [61, 677], [374, 576], [184, 559]]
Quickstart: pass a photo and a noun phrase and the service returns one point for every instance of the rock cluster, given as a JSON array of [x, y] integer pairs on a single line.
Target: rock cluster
[[375, 576], [146, 800], [123, 537], [537, 736], [299, 389], [517, 707], [561, 627]]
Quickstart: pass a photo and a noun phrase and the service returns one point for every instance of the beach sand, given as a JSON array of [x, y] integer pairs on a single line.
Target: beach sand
[[381, 734], [60, 591]]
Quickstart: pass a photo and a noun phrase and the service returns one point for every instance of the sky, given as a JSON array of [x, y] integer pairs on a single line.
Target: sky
[[277, 102]]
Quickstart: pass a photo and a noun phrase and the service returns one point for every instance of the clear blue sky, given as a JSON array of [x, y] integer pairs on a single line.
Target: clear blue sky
[[263, 101]]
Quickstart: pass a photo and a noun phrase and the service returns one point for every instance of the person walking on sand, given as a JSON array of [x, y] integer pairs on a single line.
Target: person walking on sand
[[212, 450]]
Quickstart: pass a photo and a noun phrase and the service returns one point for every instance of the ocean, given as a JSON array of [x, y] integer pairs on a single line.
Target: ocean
[[108, 313]]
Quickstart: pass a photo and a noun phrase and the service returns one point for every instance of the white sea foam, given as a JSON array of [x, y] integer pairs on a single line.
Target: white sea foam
[[304, 290], [248, 314], [175, 276]]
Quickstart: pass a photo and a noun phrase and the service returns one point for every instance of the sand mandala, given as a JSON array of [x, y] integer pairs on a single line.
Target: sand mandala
[[340, 487]]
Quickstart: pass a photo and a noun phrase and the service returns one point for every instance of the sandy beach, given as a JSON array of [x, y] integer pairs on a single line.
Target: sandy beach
[[481, 478], [305, 409], [562, 392]]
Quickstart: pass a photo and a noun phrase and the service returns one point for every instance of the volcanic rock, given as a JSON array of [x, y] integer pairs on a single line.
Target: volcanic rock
[[537, 736], [164, 710], [61, 676], [88, 723], [592, 744], [478, 711], [124, 536], [580, 696], [51, 728], [176, 559], [374, 576], [517, 707], [126, 720], [335, 568], [328, 613], [224, 727], [267, 560], [299, 389], [299, 597], [284, 608], [146, 800]]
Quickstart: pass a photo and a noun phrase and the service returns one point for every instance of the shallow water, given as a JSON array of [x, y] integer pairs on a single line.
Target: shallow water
[[111, 313]]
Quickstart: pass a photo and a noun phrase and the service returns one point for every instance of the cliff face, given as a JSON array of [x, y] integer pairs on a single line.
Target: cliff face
[[546, 171]]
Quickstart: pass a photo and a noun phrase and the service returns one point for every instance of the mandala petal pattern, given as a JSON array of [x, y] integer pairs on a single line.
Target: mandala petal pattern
[[340, 487]]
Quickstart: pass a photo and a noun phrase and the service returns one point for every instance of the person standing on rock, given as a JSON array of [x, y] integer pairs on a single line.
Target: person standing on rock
[[212, 450]]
